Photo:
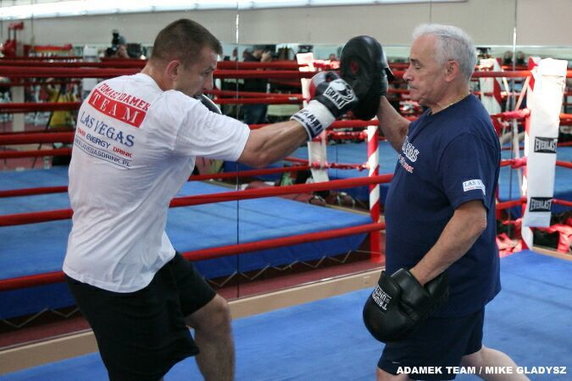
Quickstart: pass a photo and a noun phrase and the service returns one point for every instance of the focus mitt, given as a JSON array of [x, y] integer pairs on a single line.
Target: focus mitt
[[399, 303], [364, 67]]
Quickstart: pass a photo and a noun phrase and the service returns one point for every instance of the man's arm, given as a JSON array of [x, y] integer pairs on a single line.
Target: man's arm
[[392, 124], [333, 97], [467, 224], [272, 143]]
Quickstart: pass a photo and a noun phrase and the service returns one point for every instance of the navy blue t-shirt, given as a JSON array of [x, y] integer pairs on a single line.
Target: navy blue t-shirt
[[447, 159]]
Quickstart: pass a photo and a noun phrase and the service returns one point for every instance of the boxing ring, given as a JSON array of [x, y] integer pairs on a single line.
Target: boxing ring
[[326, 339], [225, 231], [194, 230], [357, 153]]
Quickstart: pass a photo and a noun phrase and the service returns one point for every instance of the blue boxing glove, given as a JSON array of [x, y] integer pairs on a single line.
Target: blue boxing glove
[[333, 97]]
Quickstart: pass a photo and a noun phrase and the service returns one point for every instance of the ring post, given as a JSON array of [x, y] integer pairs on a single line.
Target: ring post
[[374, 208]]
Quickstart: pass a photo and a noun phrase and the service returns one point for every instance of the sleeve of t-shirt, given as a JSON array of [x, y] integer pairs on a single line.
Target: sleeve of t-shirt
[[464, 170], [208, 134]]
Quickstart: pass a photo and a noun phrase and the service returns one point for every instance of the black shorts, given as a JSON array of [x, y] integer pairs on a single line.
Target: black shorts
[[437, 344], [142, 334]]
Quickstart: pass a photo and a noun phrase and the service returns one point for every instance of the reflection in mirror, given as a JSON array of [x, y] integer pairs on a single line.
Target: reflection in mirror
[[293, 31]]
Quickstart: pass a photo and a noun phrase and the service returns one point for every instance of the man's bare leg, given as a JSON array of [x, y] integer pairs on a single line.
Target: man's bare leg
[[488, 357], [213, 335]]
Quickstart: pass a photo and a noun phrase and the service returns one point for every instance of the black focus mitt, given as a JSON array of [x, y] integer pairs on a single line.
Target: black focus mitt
[[399, 303], [364, 67]]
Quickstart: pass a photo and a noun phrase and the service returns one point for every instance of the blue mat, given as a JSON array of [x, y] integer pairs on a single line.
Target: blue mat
[[356, 153], [40, 248], [326, 341]]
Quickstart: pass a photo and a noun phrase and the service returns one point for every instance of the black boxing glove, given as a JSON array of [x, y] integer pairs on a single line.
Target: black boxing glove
[[333, 97], [399, 303], [364, 67], [208, 103]]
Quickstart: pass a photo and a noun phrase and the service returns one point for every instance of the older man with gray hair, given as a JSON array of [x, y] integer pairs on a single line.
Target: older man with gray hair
[[440, 216]]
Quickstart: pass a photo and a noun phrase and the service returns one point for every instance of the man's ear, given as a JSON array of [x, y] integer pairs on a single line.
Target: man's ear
[[172, 69], [452, 70]]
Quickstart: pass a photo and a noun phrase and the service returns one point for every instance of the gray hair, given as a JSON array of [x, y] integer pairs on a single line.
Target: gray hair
[[452, 44]]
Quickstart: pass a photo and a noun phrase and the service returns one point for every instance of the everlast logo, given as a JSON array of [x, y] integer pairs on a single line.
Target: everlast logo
[[545, 145], [540, 204]]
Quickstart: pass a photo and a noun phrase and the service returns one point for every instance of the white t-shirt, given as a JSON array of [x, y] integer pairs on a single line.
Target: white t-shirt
[[135, 146]]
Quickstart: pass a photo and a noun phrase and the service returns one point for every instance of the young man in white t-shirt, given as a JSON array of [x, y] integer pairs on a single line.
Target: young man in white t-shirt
[[135, 146]]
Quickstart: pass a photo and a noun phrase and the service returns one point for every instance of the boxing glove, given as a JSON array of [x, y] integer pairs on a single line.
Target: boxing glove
[[364, 67], [320, 78], [332, 98], [208, 103], [399, 303]]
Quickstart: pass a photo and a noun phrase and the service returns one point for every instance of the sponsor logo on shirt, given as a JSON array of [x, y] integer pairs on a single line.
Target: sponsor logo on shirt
[[99, 139], [473, 184], [409, 150], [540, 204], [103, 130], [101, 153], [405, 165], [99, 134], [545, 145], [121, 106]]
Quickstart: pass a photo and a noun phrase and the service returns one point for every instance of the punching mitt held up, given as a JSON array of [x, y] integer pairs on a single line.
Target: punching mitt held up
[[399, 303], [364, 67]]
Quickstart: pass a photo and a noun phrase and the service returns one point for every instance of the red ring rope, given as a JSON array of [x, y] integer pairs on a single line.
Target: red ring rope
[[83, 72], [208, 176], [45, 152], [62, 214], [38, 106], [138, 64], [210, 253]]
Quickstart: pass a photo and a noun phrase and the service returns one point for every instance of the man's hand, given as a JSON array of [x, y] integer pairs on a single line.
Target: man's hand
[[398, 304], [333, 97]]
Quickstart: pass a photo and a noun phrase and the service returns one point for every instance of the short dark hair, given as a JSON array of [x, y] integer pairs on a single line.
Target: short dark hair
[[183, 39]]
